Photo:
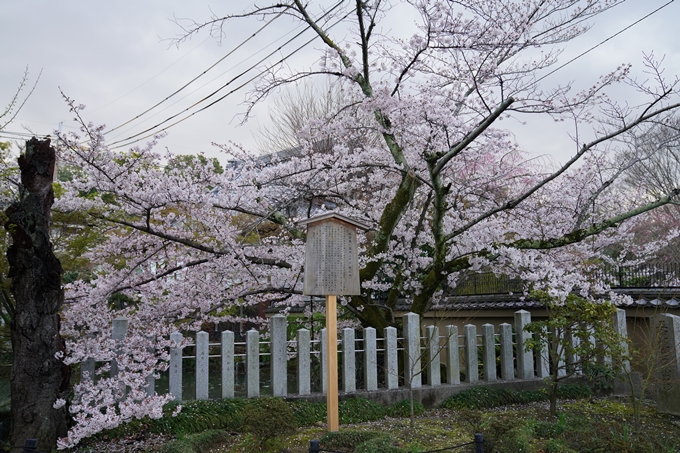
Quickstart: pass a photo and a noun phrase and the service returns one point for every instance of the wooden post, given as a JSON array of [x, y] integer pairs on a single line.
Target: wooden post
[[331, 269], [332, 370]]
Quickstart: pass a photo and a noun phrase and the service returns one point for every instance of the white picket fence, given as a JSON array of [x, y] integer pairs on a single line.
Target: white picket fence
[[422, 357]]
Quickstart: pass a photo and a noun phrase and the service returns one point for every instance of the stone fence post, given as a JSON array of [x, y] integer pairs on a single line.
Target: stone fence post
[[278, 326], [391, 359], [227, 356], [619, 321], [412, 353], [433, 366], [119, 328], [176, 366], [452, 355], [252, 363], [304, 364], [489, 357], [471, 366], [507, 362], [370, 360], [349, 381], [666, 333], [202, 369], [525, 359]]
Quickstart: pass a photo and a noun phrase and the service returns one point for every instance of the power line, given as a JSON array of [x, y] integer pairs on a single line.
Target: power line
[[214, 78], [134, 136], [203, 108], [149, 80], [602, 42], [19, 135], [198, 76]]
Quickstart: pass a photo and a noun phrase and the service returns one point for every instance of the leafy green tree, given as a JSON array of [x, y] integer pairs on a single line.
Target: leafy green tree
[[579, 335]]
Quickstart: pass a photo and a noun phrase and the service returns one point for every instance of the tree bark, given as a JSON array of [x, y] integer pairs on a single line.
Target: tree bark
[[38, 377]]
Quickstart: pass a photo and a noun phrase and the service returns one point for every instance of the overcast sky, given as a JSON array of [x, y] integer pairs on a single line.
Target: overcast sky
[[115, 57]]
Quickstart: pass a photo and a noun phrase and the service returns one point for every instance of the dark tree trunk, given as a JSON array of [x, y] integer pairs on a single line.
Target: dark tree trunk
[[38, 378]]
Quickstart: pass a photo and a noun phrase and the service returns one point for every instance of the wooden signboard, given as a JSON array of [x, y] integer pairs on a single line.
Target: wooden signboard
[[331, 265], [331, 269]]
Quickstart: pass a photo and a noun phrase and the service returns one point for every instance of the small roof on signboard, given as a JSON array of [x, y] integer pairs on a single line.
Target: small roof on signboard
[[335, 216]]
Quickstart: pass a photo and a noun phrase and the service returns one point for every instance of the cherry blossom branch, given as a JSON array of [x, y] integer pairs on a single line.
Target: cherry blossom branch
[[586, 147]]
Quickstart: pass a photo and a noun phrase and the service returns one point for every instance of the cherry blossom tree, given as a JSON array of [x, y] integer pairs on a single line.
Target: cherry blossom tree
[[446, 190]]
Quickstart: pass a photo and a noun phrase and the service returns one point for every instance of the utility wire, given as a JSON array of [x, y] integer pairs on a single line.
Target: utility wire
[[19, 135], [211, 80], [122, 145], [198, 76], [149, 80], [602, 42], [134, 136]]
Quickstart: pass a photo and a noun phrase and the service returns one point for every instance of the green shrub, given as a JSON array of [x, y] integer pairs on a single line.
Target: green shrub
[[557, 446], [361, 442], [347, 438], [551, 429], [198, 416], [488, 397], [178, 446], [380, 444], [359, 410], [528, 396], [267, 418], [195, 417], [307, 413], [504, 433], [197, 443], [574, 391], [403, 409]]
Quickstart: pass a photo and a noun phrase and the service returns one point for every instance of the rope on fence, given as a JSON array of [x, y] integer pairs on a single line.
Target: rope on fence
[[315, 446], [456, 447]]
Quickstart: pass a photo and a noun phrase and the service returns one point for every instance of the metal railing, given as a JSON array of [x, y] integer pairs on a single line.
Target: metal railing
[[641, 276]]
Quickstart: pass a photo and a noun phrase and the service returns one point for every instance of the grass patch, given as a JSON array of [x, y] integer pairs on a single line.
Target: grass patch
[[268, 418], [490, 397], [307, 413], [358, 410], [574, 391], [586, 425], [362, 442], [403, 409], [197, 443]]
